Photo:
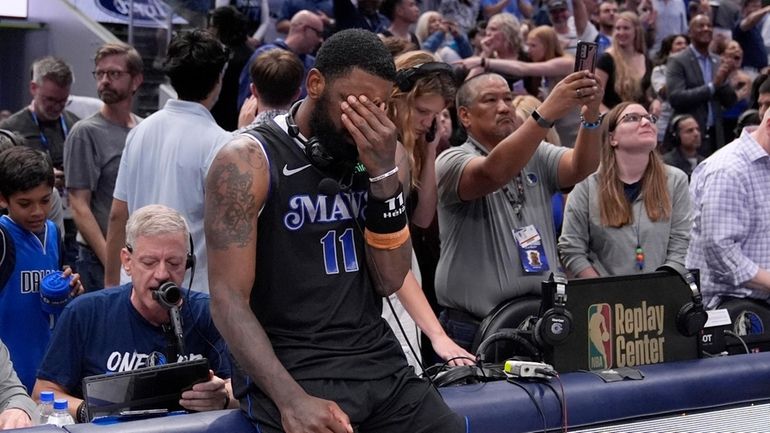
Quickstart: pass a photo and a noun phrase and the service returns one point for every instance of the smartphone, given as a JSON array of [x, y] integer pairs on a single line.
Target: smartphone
[[585, 58], [431, 134]]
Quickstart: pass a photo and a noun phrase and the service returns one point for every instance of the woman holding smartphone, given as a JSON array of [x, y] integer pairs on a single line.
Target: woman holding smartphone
[[634, 214]]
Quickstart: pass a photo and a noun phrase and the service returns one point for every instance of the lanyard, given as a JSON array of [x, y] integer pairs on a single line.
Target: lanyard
[[43, 138], [516, 202]]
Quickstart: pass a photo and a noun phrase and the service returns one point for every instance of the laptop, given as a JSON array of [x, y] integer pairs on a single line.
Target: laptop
[[143, 389], [621, 321]]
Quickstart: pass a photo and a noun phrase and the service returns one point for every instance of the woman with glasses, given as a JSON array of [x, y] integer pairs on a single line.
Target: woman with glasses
[[633, 214]]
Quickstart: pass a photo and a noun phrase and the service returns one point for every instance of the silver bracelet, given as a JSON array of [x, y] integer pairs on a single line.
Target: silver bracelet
[[385, 175]]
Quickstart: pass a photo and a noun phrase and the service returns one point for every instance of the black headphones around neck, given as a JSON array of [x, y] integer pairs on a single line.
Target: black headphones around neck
[[407, 78], [314, 150], [13, 138], [555, 326]]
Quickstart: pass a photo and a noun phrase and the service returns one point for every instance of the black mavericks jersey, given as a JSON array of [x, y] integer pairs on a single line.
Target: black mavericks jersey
[[313, 293]]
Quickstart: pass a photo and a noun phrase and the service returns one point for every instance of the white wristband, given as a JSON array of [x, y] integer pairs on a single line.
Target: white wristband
[[385, 175]]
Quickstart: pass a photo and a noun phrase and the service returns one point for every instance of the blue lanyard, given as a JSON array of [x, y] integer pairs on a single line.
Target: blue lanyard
[[43, 138]]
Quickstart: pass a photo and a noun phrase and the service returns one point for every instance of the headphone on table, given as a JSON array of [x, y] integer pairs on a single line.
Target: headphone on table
[[555, 326], [692, 317], [407, 78]]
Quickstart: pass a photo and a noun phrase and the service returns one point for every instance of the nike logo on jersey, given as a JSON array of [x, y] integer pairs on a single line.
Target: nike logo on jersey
[[288, 172]]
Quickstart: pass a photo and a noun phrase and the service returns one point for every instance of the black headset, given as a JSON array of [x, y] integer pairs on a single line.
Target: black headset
[[555, 326], [315, 152], [189, 259], [407, 78], [13, 138], [513, 335], [673, 130], [692, 317]]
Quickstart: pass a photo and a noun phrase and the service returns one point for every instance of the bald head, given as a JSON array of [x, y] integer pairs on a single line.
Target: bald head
[[305, 18], [470, 89]]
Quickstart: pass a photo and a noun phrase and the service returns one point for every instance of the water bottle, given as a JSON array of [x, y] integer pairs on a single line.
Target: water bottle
[[60, 417], [44, 409]]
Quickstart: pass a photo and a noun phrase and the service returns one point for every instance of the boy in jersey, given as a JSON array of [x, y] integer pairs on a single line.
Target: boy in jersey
[[29, 250]]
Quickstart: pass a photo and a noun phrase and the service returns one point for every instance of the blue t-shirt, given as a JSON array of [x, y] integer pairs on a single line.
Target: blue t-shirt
[[101, 332], [24, 327], [291, 7], [512, 7]]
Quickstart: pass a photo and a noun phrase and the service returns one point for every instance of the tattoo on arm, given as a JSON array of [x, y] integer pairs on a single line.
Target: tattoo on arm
[[232, 206]]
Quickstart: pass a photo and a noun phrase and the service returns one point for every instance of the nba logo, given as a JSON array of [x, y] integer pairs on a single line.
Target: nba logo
[[599, 336]]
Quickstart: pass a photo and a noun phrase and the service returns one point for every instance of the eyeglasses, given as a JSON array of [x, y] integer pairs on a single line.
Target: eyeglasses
[[112, 75], [637, 117], [318, 33]]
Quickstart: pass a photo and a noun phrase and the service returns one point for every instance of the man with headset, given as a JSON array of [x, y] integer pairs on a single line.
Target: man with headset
[[683, 138], [127, 327], [297, 275]]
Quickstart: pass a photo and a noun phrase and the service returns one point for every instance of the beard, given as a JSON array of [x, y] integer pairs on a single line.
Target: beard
[[111, 96], [335, 142]]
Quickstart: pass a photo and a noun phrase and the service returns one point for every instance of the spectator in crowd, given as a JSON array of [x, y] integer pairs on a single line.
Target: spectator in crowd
[[305, 35], [740, 81], [442, 37], [497, 188], [44, 123], [9, 139], [521, 9], [748, 33], [461, 12], [323, 8], [633, 215], [16, 407], [403, 14], [167, 155], [336, 363], [683, 138], [29, 250], [257, 13], [276, 78], [671, 20], [423, 89], [571, 28], [229, 26], [763, 97], [365, 14], [156, 251], [671, 44], [730, 243], [697, 83], [608, 10], [92, 155], [624, 69], [549, 65]]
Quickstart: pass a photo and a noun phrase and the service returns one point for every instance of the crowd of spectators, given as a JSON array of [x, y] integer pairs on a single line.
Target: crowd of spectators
[[662, 155]]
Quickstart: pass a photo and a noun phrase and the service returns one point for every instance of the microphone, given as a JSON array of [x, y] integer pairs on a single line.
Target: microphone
[[328, 186], [168, 294]]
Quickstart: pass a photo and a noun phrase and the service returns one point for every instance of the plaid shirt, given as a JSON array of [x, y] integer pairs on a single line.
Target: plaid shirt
[[730, 237]]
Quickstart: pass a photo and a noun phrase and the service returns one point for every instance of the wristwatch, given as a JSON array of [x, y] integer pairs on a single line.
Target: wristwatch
[[541, 121]]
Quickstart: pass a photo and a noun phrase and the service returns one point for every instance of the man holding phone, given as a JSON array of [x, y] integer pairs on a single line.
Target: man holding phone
[[494, 195]]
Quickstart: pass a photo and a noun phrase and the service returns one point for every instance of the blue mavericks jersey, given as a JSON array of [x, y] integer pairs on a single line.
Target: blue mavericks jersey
[[24, 328]]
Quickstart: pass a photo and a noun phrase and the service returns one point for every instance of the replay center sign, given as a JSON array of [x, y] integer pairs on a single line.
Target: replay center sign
[[147, 13]]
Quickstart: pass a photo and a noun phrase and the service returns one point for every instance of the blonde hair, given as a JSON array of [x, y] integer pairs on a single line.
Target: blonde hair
[[627, 86], [422, 28], [511, 28], [524, 106], [550, 40], [400, 109], [614, 208]]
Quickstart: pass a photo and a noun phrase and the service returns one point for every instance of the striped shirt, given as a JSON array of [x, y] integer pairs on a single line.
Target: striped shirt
[[730, 237]]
